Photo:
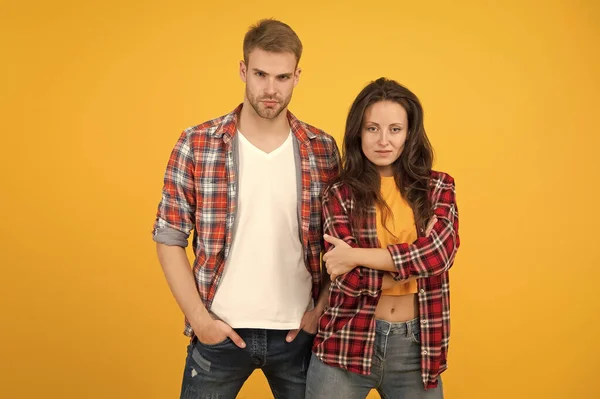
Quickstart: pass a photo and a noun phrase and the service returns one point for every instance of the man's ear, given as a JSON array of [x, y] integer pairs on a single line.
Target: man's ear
[[243, 71], [297, 76]]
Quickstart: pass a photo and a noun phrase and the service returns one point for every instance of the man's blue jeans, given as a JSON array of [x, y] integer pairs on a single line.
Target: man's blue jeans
[[220, 370]]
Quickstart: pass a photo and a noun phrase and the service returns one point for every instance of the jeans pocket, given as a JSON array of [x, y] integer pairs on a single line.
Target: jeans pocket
[[416, 337], [225, 342], [311, 335]]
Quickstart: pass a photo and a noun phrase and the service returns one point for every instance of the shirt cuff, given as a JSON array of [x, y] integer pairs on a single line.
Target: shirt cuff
[[170, 236]]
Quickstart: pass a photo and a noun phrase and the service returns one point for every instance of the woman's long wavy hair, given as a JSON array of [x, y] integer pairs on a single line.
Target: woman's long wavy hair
[[411, 170]]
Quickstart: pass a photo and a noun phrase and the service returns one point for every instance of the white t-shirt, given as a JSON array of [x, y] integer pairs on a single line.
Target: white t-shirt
[[265, 283]]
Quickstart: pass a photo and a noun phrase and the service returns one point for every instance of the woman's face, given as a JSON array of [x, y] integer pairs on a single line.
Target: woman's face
[[383, 134]]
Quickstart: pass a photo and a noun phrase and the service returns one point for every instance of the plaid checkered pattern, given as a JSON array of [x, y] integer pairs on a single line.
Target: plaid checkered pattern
[[347, 329], [200, 193]]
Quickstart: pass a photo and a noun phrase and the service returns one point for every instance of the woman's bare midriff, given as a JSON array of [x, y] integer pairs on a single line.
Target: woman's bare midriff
[[395, 308]]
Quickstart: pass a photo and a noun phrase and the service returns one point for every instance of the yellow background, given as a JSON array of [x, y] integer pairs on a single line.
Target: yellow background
[[95, 94]]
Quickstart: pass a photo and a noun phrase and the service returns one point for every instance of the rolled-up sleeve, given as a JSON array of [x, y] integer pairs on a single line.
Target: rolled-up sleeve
[[175, 217]]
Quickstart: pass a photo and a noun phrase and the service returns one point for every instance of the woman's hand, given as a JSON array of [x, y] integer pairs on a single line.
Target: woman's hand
[[339, 259]]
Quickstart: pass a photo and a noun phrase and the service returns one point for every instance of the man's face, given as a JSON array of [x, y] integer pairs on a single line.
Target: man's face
[[270, 80]]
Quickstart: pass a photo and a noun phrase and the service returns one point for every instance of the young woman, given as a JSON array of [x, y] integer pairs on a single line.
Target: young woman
[[391, 232]]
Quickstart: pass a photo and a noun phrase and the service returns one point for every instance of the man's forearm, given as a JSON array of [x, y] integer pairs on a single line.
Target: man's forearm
[[180, 278]]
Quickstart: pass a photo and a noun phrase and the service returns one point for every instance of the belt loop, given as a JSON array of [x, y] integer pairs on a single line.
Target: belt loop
[[388, 327], [408, 328]]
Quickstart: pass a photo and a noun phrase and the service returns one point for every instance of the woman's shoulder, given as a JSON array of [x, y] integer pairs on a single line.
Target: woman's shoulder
[[441, 187], [437, 178], [338, 188]]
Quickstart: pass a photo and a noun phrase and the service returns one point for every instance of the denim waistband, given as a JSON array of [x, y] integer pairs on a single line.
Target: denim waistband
[[398, 327]]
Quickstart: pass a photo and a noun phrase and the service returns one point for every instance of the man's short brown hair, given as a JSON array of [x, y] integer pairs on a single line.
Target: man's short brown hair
[[274, 36]]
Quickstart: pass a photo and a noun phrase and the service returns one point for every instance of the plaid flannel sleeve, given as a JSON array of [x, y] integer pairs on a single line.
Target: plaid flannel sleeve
[[336, 223], [175, 216], [434, 254]]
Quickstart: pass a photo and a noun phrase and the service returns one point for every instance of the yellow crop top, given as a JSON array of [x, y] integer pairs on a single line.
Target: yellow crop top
[[401, 224]]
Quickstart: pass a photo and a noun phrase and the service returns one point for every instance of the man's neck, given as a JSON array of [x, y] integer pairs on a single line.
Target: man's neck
[[251, 124]]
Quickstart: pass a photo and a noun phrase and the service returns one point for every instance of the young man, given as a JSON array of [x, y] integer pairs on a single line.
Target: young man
[[249, 184]]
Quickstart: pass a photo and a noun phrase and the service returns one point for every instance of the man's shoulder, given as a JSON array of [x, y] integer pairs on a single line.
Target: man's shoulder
[[317, 134], [210, 129]]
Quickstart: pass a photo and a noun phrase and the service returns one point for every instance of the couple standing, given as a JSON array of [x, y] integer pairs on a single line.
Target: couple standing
[[266, 194]]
